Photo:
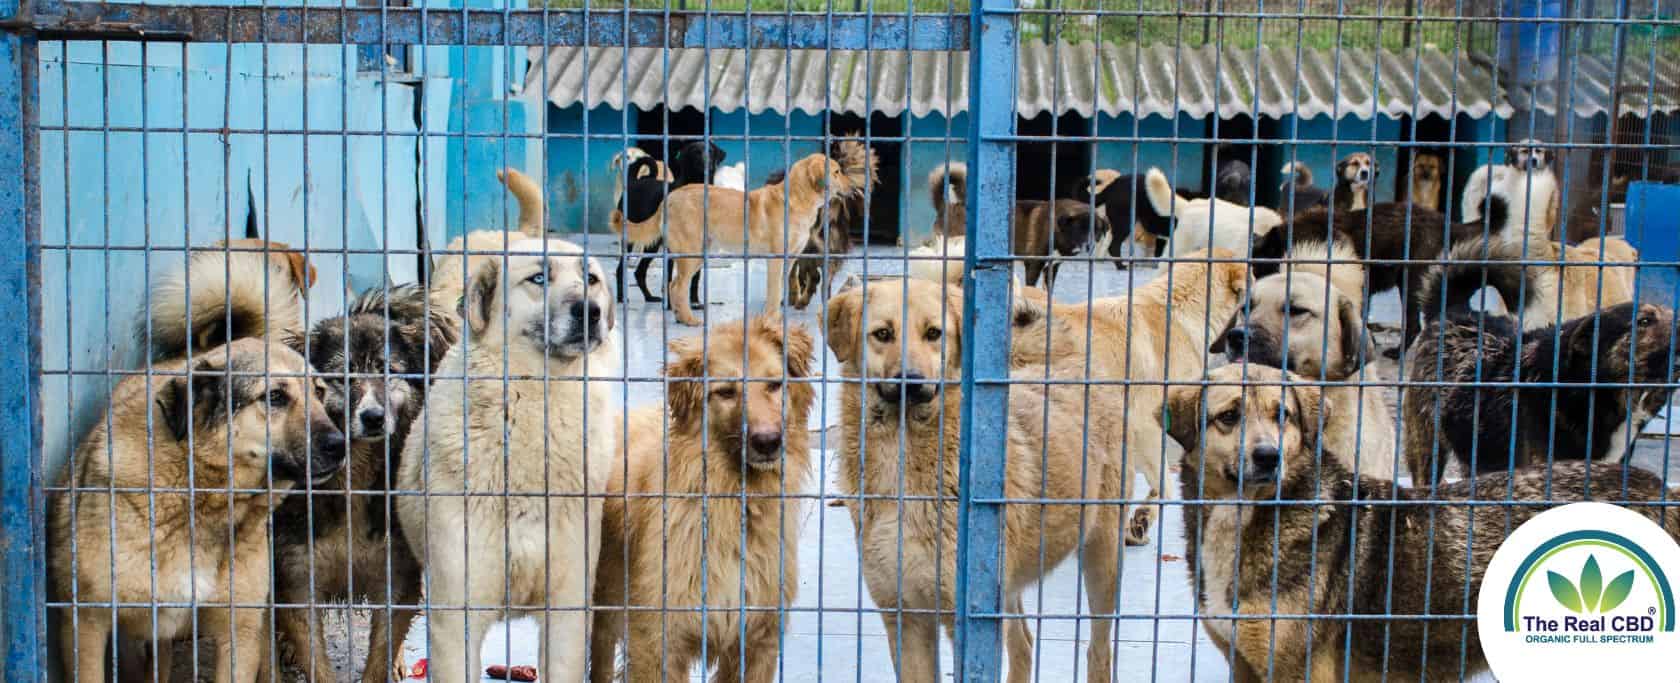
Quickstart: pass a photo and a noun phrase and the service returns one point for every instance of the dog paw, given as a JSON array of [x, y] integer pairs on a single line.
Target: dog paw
[[1137, 532]]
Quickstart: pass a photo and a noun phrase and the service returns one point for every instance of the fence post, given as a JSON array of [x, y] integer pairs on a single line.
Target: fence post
[[22, 506], [991, 193]]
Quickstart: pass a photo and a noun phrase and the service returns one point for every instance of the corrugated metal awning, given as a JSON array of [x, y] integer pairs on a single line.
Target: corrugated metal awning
[[1082, 78]]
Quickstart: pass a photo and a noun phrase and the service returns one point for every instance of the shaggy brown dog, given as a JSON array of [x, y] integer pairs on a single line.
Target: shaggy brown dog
[[1046, 232], [777, 220], [1255, 442], [731, 440], [902, 339], [832, 238]]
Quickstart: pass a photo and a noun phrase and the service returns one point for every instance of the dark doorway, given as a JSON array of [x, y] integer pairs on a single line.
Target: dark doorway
[[884, 221], [663, 129], [1238, 140], [1048, 170], [1428, 133]]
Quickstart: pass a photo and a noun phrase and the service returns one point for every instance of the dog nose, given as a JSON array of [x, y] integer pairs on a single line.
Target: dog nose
[[765, 442], [586, 312], [373, 419], [1236, 342], [917, 390], [329, 447], [1266, 460], [1364, 175]]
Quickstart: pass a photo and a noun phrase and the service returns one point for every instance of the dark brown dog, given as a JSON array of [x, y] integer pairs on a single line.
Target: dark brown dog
[[1044, 231], [1250, 437]]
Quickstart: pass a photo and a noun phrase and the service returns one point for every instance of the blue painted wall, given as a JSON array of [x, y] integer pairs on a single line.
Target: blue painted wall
[[1181, 162], [1322, 141]]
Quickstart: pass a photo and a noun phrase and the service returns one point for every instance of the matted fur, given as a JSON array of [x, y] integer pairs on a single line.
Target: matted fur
[[1295, 560], [1157, 332], [701, 442], [906, 545], [505, 524], [233, 295]]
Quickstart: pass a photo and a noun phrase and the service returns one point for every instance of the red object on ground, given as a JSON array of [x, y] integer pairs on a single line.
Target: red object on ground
[[511, 673], [418, 670]]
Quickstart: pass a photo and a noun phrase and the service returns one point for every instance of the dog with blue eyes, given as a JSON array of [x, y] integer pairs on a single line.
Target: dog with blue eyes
[[518, 426]]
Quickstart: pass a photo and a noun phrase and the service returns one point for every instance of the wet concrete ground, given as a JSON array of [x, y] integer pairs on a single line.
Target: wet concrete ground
[[827, 635]]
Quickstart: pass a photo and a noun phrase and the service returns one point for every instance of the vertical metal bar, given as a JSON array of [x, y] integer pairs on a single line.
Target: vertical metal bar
[[991, 189], [22, 506]]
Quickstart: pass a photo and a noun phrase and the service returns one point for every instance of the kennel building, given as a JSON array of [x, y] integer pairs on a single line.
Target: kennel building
[[369, 136]]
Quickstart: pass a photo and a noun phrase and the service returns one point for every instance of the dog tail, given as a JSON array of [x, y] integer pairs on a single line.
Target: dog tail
[[1499, 262], [219, 296], [1162, 196], [948, 185], [1298, 173], [530, 196]]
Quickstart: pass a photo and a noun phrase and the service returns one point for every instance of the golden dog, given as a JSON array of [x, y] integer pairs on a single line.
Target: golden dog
[[652, 547]]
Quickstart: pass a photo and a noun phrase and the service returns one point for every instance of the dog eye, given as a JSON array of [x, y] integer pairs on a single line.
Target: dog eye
[[1229, 417], [278, 399], [1647, 320], [593, 280], [538, 279], [933, 334], [725, 392], [1297, 311], [773, 387], [321, 392], [883, 335]]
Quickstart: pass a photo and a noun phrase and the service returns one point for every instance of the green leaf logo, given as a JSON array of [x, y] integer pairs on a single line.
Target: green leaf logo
[[1592, 595]]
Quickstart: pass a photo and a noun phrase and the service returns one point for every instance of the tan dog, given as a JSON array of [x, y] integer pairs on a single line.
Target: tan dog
[[1426, 181], [1296, 320], [729, 437], [463, 256], [504, 524], [1255, 440], [777, 220], [1548, 294], [241, 416], [902, 338], [1155, 333]]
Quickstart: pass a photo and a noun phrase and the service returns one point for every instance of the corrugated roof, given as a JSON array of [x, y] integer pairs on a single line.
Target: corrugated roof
[[1083, 78]]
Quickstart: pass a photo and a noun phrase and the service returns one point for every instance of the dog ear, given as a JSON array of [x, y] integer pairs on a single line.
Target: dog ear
[[1355, 343], [1218, 345], [1181, 415], [844, 323], [954, 325], [202, 390], [1309, 406], [303, 274], [481, 296], [685, 393], [797, 346]]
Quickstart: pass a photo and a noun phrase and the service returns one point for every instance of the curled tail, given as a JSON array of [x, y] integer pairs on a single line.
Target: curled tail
[[219, 296], [1453, 284], [948, 185], [1161, 194], [1301, 173], [530, 196]]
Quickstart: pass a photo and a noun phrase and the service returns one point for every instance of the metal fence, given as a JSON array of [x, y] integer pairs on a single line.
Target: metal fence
[[323, 368]]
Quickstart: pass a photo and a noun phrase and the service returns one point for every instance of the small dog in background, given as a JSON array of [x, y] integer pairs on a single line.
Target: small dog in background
[[644, 190], [332, 546], [1297, 193], [1528, 183], [1206, 223], [1426, 176], [815, 270], [1233, 181], [1046, 232], [730, 394], [1356, 176], [1125, 201]]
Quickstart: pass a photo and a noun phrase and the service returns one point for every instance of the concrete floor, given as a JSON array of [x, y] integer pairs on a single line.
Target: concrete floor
[[826, 637]]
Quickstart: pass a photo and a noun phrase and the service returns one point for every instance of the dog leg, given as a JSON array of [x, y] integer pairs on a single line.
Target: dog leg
[[644, 263], [678, 292], [760, 666], [301, 627], [914, 645], [82, 646], [385, 659], [654, 653], [1100, 558], [1018, 641], [239, 636], [618, 275], [773, 297], [603, 644], [1033, 268]]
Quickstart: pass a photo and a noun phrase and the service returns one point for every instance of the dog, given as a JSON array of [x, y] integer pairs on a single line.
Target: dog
[[899, 342], [237, 419], [831, 238], [1156, 332], [1356, 175], [620, 163], [1232, 181], [525, 449], [465, 254], [737, 446], [1400, 239], [1548, 294], [1124, 200], [1044, 233], [778, 221], [1307, 320], [697, 162], [333, 547], [1207, 223], [1427, 172], [1562, 417], [1533, 197], [1298, 193], [948, 190], [939, 260], [1251, 442]]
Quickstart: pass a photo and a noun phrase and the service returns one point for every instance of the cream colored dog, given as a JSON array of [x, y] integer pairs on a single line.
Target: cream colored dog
[[506, 456], [902, 339], [773, 219]]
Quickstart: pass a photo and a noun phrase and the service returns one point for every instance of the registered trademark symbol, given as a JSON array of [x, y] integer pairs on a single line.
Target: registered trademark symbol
[[1650, 610]]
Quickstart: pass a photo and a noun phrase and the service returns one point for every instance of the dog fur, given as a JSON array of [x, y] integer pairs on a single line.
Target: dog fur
[[702, 215], [1124, 201], [815, 270], [1298, 193], [1232, 226], [1232, 181], [237, 292], [241, 415], [332, 547], [539, 434], [940, 260], [948, 190], [1154, 333], [1621, 344], [729, 438], [1532, 192], [1426, 177], [467, 253], [1356, 176], [1307, 320], [1549, 294], [697, 162], [1044, 233], [1256, 560], [905, 545]]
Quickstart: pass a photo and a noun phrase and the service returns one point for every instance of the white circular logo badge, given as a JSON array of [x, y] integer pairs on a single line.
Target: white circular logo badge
[[1581, 592]]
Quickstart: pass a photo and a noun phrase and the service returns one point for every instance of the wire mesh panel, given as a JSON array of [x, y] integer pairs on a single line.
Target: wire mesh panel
[[834, 341]]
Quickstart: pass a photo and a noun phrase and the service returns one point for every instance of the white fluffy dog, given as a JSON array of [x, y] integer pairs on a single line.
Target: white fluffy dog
[[1206, 223], [517, 427], [1532, 194]]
